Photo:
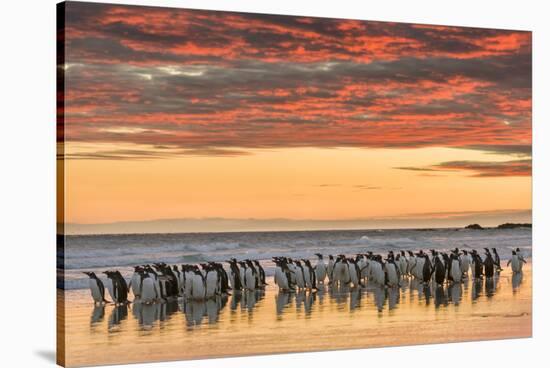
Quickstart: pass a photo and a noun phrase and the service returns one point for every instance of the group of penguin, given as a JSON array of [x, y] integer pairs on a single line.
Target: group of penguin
[[160, 282], [439, 267]]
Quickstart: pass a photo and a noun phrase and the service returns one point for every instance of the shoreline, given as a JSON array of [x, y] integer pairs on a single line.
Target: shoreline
[[261, 324]]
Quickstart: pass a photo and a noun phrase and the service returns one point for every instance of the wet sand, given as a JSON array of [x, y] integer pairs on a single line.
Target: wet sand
[[267, 321]]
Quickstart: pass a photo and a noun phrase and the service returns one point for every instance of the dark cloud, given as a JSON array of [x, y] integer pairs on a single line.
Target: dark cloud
[[217, 83]]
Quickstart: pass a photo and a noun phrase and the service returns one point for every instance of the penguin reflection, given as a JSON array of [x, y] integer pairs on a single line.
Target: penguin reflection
[[379, 297], [393, 297], [477, 285], [455, 293], [98, 313], [282, 301], [355, 298], [517, 278], [440, 297], [118, 314], [250, 298]]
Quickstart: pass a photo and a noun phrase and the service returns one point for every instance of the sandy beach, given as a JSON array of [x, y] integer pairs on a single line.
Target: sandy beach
[[272, 322]]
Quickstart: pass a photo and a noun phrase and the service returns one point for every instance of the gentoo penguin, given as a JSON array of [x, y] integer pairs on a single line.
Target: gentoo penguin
[[402, 262], [477, 265], [440, 271], [392, 278], [465, 261], [497, 260], [282, 274], [455, 272], [411, 262], [377, 270], [489, 264], [250, 276], [261, 272], [311, 278], [147, 289], [118, 292], [96, 288], [211, 281], [135, 282], [234, 274], [516, 262], [330, 268], [520, 256], [354, 273], [320, 269], [198, 289], [426, 269], [300, 279]]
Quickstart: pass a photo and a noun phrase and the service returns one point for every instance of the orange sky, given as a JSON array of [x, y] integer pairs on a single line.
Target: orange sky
[[176, 114]]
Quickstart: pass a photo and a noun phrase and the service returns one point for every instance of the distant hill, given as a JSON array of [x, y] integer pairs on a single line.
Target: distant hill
[[510, 225], [474, 227]]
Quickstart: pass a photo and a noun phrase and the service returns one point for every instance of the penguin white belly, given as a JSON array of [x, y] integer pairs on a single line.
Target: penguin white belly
[[456, 274], [197, 288], [280, 278], [148, 294], [320, 272], [211, 284], [243, 276], [378, 273], [403, 265], [419, 268], [188, 284], [94, 289], [330, 271], [232, 279], [353, 275], [392, 274], [250, 279], [300, 278], [307, 277], [411, 266], [110, 288], [135, 282], [516, 264]]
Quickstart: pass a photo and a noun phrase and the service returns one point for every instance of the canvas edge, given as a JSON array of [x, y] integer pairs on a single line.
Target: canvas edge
[[60, 183]]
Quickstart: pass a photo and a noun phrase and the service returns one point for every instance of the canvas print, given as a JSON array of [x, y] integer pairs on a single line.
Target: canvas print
[[238, 184]]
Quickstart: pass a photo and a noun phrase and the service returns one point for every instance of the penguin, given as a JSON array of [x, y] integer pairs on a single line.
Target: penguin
[[135, 282], [300, 279], [320, 269], [311, 279], [282, 277], [426, 269], [497, 260], [477, 265], [402, 262], [250, 277], [465, 261], [234, 275], [212, 282], [97, 288], [411, 262], [489, 264], [261, 272], [440, 271], [198, 289], [516, 262], [455, 271], [392, 278], [116, 288], [330, 268], [354, 273], [147, 289], [520, 256], [377, 270]]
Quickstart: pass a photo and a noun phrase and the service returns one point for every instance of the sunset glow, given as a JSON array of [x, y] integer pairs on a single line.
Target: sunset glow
[[178, 114]]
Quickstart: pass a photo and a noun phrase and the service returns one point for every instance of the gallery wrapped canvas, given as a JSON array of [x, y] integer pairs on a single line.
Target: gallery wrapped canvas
[[238, 184]]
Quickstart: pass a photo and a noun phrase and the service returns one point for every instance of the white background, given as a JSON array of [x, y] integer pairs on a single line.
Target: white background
[[27, 180]]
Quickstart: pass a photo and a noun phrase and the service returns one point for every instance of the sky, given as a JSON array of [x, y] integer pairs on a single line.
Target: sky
[[234, 121]]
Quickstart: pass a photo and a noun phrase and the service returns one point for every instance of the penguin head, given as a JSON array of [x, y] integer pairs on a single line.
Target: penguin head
[[513, 253], [319, 255]]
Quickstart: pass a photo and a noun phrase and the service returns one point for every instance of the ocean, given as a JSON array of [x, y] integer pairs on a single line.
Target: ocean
[[98, 253]]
